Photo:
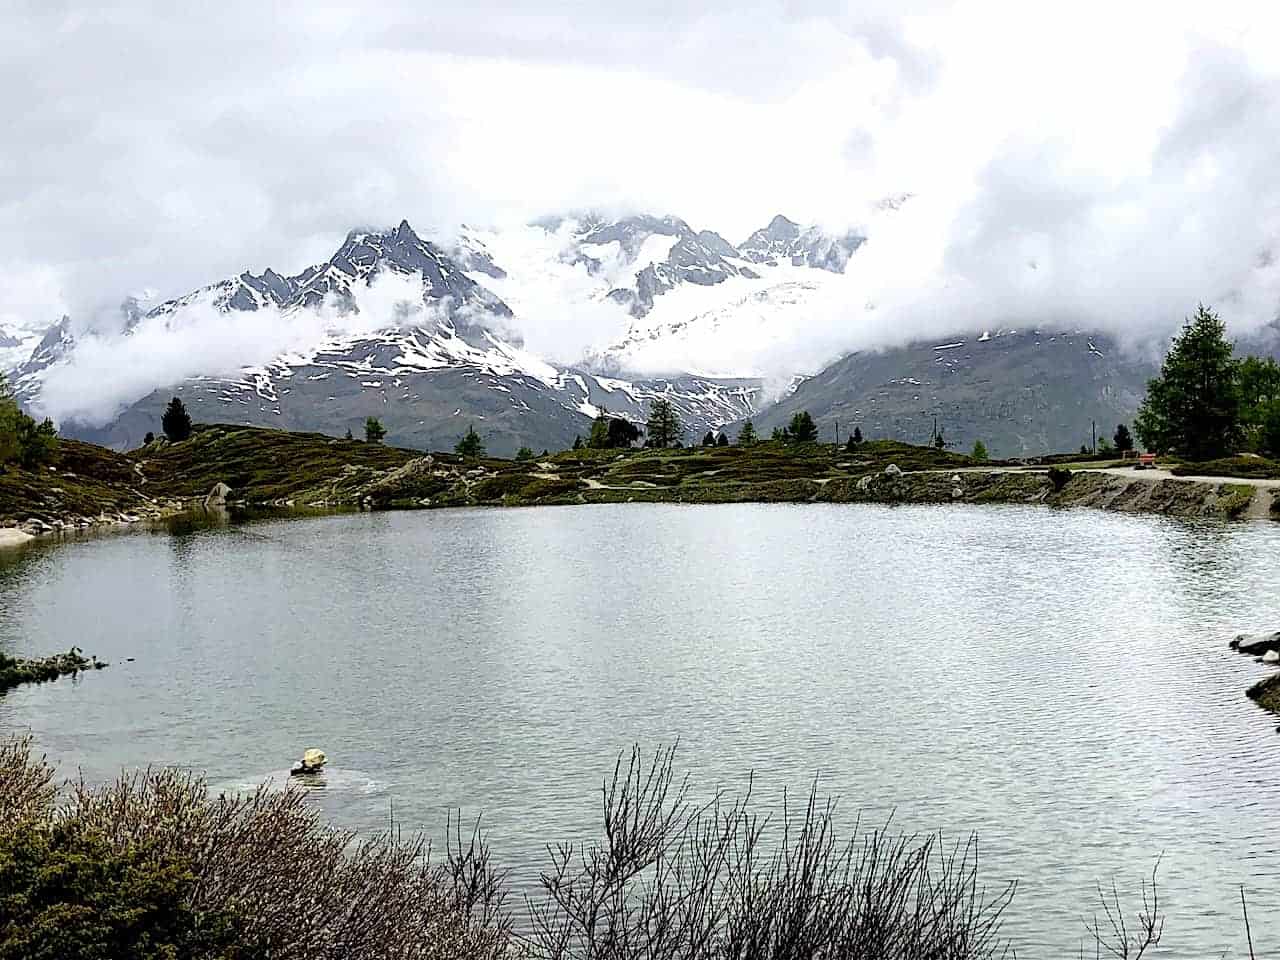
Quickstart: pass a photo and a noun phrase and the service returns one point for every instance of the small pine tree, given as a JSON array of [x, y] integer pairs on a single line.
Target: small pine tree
[[709, 440], [747, 435], [663, 427], [780, 434], [374, 431], [175, 421], [979, 451], [803, 429], [938, 442], [524, 453], [1084, 449], [722, 440], [347, 435], [1123, 439], [857, 434], [470, 445], [149, 439], [577, 442], [599, 438], [850, 445]]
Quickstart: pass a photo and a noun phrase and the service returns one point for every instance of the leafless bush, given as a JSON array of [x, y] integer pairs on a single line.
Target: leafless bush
[[298, 887], [673, 880], [26, 783], [1127, 939]]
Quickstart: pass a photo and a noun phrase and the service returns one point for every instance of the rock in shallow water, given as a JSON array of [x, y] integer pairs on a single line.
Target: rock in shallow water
[[1256, 644]]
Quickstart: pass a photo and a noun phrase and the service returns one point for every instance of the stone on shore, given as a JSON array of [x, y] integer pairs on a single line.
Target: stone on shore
[[1256, 644], [13, 537]]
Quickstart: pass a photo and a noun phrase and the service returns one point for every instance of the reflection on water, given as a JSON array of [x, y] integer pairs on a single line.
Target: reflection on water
[[1057, 681]]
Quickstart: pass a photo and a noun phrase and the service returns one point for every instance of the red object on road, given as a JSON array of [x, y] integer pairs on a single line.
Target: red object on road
[[1146, 460]]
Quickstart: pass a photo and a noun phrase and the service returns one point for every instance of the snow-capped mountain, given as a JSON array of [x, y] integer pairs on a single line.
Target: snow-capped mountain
[[427, 375], [663, 295], [785, 241], [16, 345]]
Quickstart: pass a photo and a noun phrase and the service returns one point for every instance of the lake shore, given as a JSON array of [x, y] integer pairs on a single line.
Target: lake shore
[[253, 468]]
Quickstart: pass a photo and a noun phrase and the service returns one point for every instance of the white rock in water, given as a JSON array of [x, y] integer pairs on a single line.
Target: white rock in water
[[892, 470], [1271, 656]]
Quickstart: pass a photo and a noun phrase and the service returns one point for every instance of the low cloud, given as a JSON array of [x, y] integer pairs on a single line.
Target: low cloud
[[1094, 165], [110, 369]]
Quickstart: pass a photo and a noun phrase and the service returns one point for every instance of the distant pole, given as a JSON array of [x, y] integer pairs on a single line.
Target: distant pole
[[1093, 426], [837, 433]]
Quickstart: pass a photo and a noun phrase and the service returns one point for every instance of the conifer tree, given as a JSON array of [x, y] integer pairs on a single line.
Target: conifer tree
[[470, 445], [803, 429], [663, 427], [175, 421], [1193, 407]]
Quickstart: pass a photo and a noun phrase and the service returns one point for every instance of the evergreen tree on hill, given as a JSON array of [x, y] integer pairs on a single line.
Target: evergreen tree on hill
[[598, 439], [470, 445], [664, 427], [374, 431], [722, 440], [1193, 407], [175, 421], [747, 435], [709, 440], [803, 429]]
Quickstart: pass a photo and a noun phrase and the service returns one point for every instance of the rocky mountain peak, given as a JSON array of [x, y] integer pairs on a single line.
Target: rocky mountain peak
[[784, 240]]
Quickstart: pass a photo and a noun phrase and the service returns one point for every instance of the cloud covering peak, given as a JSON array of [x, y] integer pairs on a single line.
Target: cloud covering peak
[[1094, 164]]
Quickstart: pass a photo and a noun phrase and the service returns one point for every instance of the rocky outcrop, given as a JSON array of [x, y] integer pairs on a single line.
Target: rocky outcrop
[[217, 497], [1256, 644], [414, 483], [18, 670]]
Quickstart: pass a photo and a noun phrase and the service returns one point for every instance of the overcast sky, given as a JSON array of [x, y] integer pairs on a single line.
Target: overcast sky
[[1111, 162]]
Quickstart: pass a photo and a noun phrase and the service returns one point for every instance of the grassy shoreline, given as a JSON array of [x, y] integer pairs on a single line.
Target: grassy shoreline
[[278, 469]]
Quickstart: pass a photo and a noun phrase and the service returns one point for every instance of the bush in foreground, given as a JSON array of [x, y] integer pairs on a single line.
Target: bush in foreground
[[152, 867]]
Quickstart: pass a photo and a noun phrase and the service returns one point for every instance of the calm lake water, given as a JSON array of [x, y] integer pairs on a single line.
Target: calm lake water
[[1058, 682]]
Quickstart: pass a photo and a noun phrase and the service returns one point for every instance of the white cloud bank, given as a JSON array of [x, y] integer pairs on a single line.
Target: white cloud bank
[[1092, 164], [108, 370]]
